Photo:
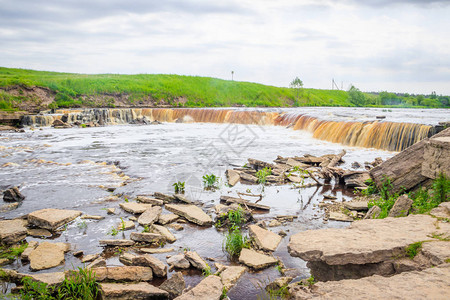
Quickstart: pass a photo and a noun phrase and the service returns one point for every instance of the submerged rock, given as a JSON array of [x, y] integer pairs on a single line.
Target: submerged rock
[[209, 288], [132, 291], [174, 285], [12, 231], [13, 195], [192, 213]]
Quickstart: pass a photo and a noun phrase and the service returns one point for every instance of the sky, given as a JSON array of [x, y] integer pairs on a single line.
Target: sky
[[376, 45]]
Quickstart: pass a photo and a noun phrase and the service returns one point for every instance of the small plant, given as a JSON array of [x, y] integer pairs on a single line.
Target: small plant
[[279, 269], [179, 187], [311, 280], [35, 290], [206, 271], [113, 231], [83, 125], [386, 187], [235, 241], [119, 251], [262, 175], [122, 224], [79, 285], [82, 225], [126, 200], [441, 188], [224, 293], [210, 181], [146, 228], [413, 249], [12, 252], [371, 188]]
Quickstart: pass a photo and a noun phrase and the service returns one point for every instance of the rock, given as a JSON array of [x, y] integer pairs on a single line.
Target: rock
[[116, 243], [111, 211], [182, 198], [134, 207], [356, 205], [156, 250], [90, 257], [432, 283], [150, 216], [164, 197], [174, 285], [52, 218], [259, 164], [373, 212], [295, 179], [132, 291], [230, 274], [401, 207], [60, 124], [13, 195], [232, 177], [146, 237], [435, 156], [442, 211], [209, 288], [164, 232], [126, 225], [39, 232], [247, 177], [12, 231], [179, 261], [149, 200], [278, 283], [338, 216], [91, 217], [231, 200], [25, 256], [192, 213], [265, 239], [274, 223], [51, 279], [195, 260], [437, 252], [127, 258], [97, 263], [146, 260], [9, 206], [356, 178], [126, 273], [167, 218], [294, 163], [255, 259], [47, 255], [5, 261]]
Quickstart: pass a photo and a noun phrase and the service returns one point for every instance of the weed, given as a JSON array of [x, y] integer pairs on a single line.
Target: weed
[[206, 271], [83, 125], [126, 200], [262, 175], [210, 181], [179, 187], [424, 202], [82, 225], [113, 231], [35, 290], [413, 249], [386, 187], [311, 280], [235, 241], [441, 237], [119, 251], [447, 260], [236, 217], [224, 293], [441, 188], [146, 228], [371, 188], [122, 224], [12, 252], [279, 269]]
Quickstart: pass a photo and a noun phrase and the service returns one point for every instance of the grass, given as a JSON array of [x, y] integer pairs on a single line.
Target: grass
[[179, 187], [262, 175], [206, 271], [234, 240], [210, 181], [413, 249], [13, 252]]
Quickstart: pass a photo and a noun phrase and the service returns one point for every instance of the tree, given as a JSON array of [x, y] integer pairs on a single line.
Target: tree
[[356, 97], [296, 84]]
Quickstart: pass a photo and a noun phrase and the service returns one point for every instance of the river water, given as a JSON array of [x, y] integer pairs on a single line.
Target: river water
[[71, 169]]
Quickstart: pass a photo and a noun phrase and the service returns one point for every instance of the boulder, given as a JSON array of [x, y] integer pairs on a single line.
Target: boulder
[[230, 274], [126, 273], [401, 207], [132, 291], [134, 207], [167, 218], [192, 213], [209, 288], [442, 211], [373, 212], [52, 218], [150, 216], [149, 200], [13, 195], [174, 285], [195, 260], [265, 239], [147, 260], [146, 237], [232, 177], [178, 261], [12, 231], [256, 260], [116, 243], [164, 232], [47, 255]]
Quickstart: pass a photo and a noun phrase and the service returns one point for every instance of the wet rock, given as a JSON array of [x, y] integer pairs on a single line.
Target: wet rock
[[401, 207], [243, 202], [175, 226], [164, 232], [256, 260], [164, 197], [156, 250], [442, 211], [274, 223], [92, 217], [230, 274], [13, 195], [12, 231], [174, 285], [356, 165], [338, 216], [47, 255], [247, 177], [182, 198], [52, 218], [60, 124], [97, 263], [178, 261], [149, 200], [150, 216], [265, 239], [356, 205], [126, 225], [232, 177], [209, 288], [116, 243], [9, 207], [126, 273], [167, 218], [111, 211], [90, 257], [195, 260], [192, 213], [278, 283], [134, 207], [356, 178], [25, 256], [132, 291], [146, 260], [326, 196], [127, 258], [373, 212], [146, 237]]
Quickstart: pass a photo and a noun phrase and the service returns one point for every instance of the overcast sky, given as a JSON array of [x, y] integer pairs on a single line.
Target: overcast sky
[[376, 45]]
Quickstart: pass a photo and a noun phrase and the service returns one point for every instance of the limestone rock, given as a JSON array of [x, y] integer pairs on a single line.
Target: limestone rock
[[146, 237], [90, 257], [164, 232], [146, 260], [209, 288], [356, 205], [132, 291], [92, 217], [126, 225], [25, 256], [232, 177], [150, 216], [356, 178], [230, 274], [373, 212], [149, 200], [156, 250], [39, 232], [174, 285], [195, 260], [52, 218], [338, 216], [127, 258], [435, 156], [47, 255], [126, 273], [13, 195], [164, 197], [12, 231], [97, 263], [278, 283], [51, 279], [247, 177], [255, 259], [111, 211], [192, 213], [182, 198], [442, 211], [401, 207], [134, 207], [265, 239], [167, 218], [175, 226], [178, 261], [438, 252], [114, 243], [274, 223]]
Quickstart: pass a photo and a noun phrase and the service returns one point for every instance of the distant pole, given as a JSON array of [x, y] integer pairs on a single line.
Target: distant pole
[[232, 73]]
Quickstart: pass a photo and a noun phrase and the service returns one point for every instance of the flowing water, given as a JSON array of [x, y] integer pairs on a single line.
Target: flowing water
[[71, 169]]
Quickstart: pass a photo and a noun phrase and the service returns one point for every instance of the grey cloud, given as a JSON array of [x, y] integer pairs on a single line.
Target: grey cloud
[[384, 3]]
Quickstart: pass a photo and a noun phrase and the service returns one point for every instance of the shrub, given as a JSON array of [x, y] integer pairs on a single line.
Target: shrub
[[210, 181], [179, 187], [262, 175]]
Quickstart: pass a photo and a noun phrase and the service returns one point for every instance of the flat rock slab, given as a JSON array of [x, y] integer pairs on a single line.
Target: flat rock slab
[[164, 232], [209, 288], [134, 207], [52, 218], [232, 177], [39, 232], [12, 231], [192, 213], [432, 283], [357, 205], [126, 273], [338, 216], [195, 260], [265, 239], [150, 200], [132, 291], [50, 279], [167, 218], [365, 241], [114, 243], [230, 274], [230, 200], [256, 260], [146, 237], [156, 250], [47, 255], [150, 215], [147, 260]]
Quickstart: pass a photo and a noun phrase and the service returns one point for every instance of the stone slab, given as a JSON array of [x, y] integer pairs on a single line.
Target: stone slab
[[132, 291], [256, 260], [209, 288], [12, 231], [126, 273], [52, 218], [265, 239], [134, 207], [192, 213]]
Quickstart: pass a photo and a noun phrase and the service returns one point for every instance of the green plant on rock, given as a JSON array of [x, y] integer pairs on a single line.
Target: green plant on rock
[[224, 293], [179, 187], [206, 271], [262, 175], [425, 200], [441, 189], [386, 200], [12, 252], [234, 240], [413, 249], [210, 181]]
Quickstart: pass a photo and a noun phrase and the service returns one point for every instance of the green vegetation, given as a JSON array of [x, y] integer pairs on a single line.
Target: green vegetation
[[413, 249], [13, 252], [113, 231], [179, 187], [262, 175], [206, 271], [79, 284], [224, 293], [234, 240], [210, 181]]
